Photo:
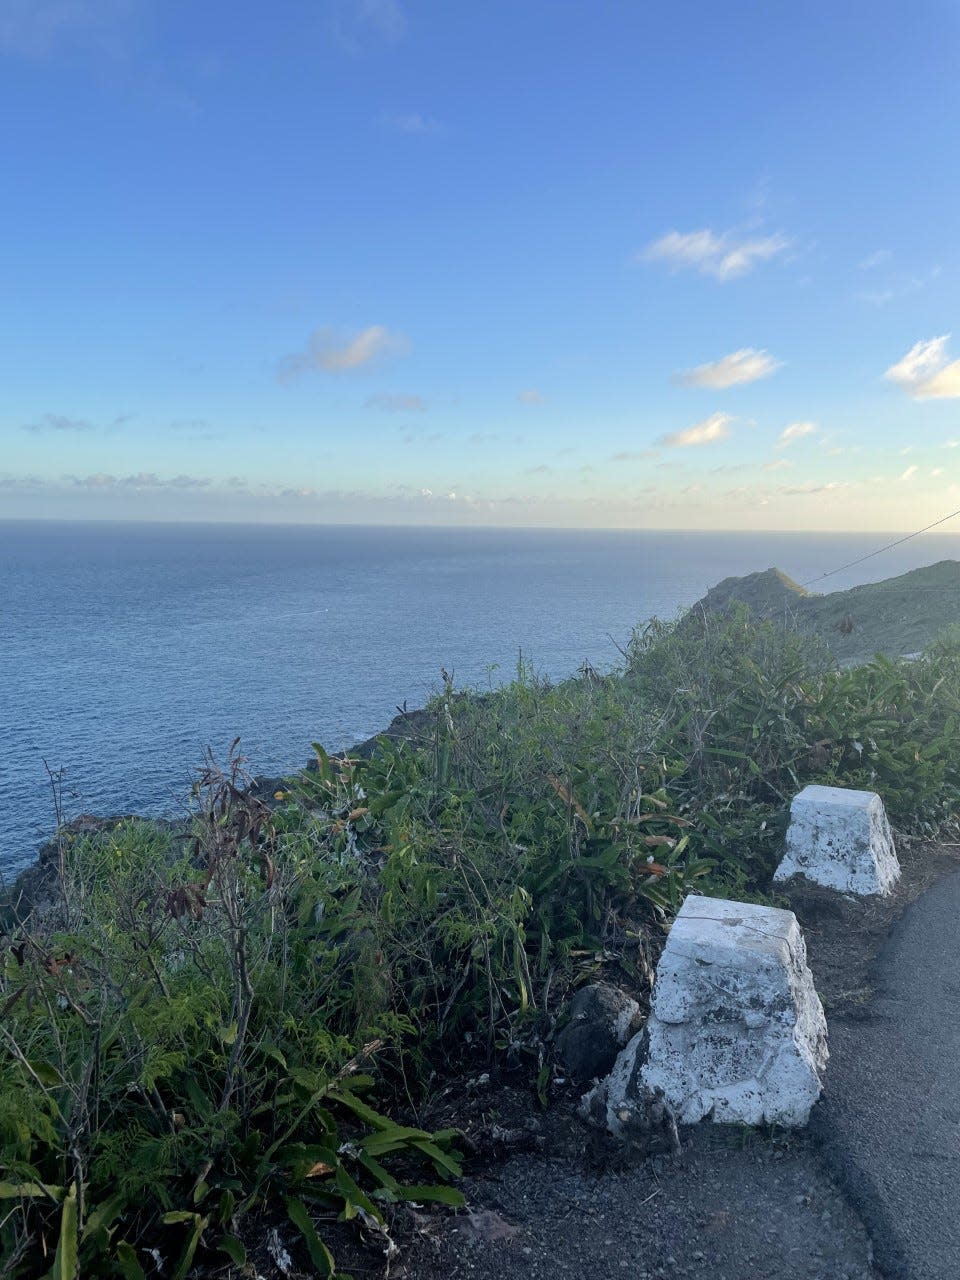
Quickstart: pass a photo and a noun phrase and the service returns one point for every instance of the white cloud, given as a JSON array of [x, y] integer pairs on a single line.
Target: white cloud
[[910, 472], [531, 396], [779, 464], [57, 422], [634, 455], [412, 123], [710, 430], [875, 259], [926, 372], [795, 431], [804, 489], [745, 365], [901, 286], [332, 353], [724, 256], [41, 28], [354, 21], [879, 297], [142, 480], [20, 484], [396, 403], [385, 16], [422, 439]]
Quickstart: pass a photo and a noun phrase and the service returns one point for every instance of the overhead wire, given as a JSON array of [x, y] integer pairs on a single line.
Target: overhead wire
[[762, 614], [880, 550]]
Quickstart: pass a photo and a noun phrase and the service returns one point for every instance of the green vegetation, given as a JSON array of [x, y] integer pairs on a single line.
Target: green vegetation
[[216, 1030], [901, 615]]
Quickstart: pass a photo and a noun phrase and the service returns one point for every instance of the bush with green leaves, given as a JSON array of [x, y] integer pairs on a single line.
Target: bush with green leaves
[[187, 1043], [534, 825], [753, 711]]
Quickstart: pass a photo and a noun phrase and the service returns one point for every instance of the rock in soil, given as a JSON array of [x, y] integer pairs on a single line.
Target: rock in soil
[[602, 1020]]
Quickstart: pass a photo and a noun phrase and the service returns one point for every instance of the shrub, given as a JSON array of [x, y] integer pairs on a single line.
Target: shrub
[[185, 1042]]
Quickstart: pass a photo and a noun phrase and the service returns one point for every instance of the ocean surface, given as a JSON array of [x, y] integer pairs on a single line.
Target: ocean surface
[[126, 649]]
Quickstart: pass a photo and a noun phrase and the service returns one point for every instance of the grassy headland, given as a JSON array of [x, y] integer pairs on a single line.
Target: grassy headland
[[898, 616], [207, 1033]]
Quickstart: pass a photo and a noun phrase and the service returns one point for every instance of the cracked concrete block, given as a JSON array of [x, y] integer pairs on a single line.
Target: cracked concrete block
[[737, 1031], [841, 839]]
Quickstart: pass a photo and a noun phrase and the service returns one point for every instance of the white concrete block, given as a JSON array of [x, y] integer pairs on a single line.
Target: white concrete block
[[737, 1031], [840, 838]]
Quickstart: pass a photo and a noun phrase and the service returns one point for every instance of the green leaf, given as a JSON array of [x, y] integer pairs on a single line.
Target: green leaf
[[320, 1255], [312, 1081], [394, 1138], [379, 804], [18, 1190], [234, 1249], [103, 1215], [228, 1202], [271, 1051], [127, 1261], [46, 1073], [359, 1108], [353, 1198], [323, 761], [439, 1158], [65, 1260], [438, 1194], [193, 1239], [388, 1183]]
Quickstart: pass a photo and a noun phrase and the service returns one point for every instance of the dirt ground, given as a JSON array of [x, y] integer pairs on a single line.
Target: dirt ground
[[734, 1204]]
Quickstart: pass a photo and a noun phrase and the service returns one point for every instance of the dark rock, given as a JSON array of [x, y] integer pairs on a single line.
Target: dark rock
[[602, 1020]]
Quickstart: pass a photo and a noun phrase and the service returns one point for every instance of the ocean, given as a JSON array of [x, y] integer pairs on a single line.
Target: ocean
[[126, 650]]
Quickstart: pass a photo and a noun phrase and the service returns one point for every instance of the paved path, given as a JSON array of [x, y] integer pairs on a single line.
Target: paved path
[[890, 1118]]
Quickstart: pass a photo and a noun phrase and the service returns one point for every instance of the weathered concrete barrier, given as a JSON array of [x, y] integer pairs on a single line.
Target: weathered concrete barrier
[[841, 839], [736, 1031]]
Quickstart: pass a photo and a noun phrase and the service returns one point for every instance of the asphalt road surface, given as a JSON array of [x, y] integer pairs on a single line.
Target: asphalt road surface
[[890, 1118]]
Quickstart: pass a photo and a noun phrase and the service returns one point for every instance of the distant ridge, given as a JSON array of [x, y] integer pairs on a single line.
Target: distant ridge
[[897, 616]]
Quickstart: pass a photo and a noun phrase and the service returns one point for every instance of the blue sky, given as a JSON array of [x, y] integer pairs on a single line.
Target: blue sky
[[539, 262]]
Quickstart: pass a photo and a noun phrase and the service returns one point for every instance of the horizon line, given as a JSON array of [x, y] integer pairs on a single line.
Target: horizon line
[[449, 528]]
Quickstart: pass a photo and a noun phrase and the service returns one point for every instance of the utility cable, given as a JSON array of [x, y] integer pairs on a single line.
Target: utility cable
[[880, 550]]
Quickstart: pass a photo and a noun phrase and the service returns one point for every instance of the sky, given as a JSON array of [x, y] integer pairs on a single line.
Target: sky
[[567, 263]]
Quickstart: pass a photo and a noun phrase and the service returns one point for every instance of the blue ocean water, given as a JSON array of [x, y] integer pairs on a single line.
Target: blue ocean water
[[126, 649]]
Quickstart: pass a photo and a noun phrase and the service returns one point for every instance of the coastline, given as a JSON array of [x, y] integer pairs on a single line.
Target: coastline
[[896, 616], [29, 884]]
